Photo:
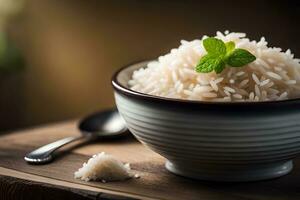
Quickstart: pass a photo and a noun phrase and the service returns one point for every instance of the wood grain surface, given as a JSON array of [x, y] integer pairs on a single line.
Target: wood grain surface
[[19, 180]]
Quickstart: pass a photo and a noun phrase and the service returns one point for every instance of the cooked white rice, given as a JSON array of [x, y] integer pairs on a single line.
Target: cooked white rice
[[274, 75], [103, 167]]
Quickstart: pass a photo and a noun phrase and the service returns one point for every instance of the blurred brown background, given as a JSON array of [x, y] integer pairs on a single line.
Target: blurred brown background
[[72, 47]]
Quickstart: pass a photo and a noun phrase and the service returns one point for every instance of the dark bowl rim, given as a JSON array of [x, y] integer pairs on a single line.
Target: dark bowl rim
[[127, 91]]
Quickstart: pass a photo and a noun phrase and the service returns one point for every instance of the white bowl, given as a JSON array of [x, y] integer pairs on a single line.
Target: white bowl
[[218, 141]]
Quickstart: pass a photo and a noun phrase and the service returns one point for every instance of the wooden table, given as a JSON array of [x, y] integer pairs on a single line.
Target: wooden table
[[19, 180]]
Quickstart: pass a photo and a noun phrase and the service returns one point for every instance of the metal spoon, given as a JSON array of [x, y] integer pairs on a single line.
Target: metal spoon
[[103, 124]]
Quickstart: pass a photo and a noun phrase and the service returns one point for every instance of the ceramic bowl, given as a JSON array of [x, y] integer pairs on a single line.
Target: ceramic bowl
[[218, 141]]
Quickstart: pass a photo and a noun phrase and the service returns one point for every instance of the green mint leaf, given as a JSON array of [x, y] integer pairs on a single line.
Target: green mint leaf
[[220, 67], [219, 54], [240, 57], [214, 46], [209, 63], [229, 46]]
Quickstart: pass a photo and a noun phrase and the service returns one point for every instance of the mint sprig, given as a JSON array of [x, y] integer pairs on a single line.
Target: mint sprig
[[220, 54]]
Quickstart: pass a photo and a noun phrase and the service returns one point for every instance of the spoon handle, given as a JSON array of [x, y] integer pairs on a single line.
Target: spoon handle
[[44, 153]]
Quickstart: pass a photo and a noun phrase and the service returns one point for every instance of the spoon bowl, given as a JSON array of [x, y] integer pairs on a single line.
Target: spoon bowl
[[103, 124]]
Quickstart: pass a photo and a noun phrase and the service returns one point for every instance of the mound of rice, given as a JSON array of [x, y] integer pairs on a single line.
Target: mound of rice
[[103, 167], [274, 75]]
